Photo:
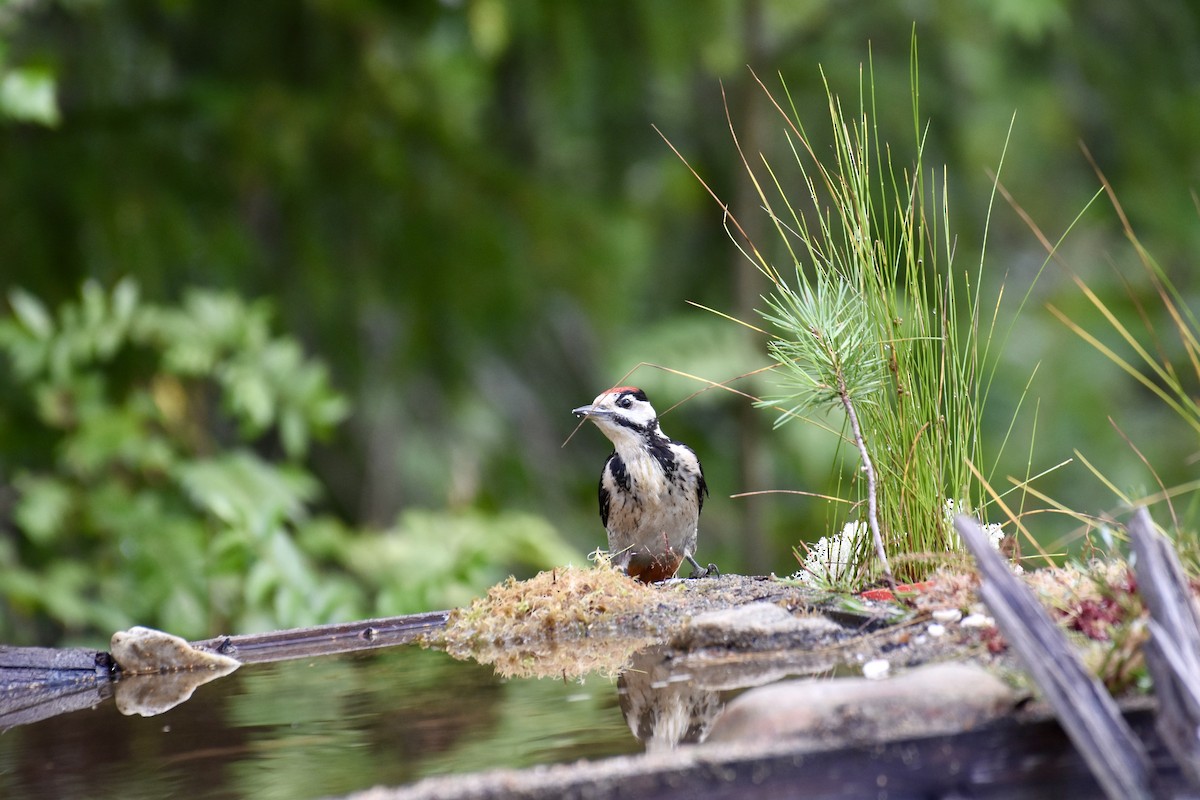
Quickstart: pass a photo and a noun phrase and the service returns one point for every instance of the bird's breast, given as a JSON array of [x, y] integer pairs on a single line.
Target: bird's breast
[[646, 477], [646, 493]]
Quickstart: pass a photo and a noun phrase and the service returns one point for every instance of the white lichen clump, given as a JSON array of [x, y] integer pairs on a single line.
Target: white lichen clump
[[992, 530], [831, 560]]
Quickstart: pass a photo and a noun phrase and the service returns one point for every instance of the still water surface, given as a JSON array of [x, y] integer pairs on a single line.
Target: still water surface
[[315, 728]]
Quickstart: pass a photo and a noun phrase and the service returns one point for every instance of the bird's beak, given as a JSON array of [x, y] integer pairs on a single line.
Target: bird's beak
[[591, 411]]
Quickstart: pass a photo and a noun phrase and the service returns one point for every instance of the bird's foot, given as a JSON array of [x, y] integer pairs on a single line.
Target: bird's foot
[[698, 571]]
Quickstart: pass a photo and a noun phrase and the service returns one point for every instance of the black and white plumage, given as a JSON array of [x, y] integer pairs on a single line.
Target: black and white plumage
[[651, 489]]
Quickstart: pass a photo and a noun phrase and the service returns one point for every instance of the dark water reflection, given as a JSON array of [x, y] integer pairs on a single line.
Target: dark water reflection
[[317, 727]]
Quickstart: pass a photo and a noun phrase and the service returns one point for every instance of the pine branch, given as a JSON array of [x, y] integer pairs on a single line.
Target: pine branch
[[869, 468], [872, 486]]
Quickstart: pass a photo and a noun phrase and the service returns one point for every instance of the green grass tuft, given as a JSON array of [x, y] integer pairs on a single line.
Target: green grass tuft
[[872, 323]]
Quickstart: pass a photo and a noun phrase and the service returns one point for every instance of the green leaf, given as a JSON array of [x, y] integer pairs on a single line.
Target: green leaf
[[242, 490], [107, 436], [31, 313], [125, 297], [22, 587], [292, 565], [43, 507], [28, 95], [230, 548], [260, 583], [250, 399], [293, 432], [65, 593], [183, 610]]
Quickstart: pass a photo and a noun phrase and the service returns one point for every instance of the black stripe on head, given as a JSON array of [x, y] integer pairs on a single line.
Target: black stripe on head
[[650, 426]]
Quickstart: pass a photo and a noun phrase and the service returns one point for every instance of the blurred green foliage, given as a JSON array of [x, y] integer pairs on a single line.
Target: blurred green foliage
[[463, 209], [134, 508], [168, 487], [27, 91]]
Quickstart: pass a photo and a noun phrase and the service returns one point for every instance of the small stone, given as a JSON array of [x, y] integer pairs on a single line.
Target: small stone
[[936, 629], [876, 670], [146, 651], [978, 621], [947, 615], [159, 670]]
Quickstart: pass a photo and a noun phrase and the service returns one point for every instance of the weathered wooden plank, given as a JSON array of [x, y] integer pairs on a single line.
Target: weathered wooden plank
[[319, 640], [1087, 712], [1173, 651], [48, 658], [41, 682]]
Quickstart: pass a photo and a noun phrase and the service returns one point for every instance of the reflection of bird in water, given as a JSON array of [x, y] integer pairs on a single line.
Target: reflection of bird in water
[[664, 709]]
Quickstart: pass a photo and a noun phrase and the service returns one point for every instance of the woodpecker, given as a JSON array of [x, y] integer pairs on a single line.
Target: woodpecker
[[651, 489]]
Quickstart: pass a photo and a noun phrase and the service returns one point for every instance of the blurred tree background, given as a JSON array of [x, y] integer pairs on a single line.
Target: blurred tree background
[[463, 211]]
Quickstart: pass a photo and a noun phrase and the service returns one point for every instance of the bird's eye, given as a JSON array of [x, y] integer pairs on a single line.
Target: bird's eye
[[625, 402]]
